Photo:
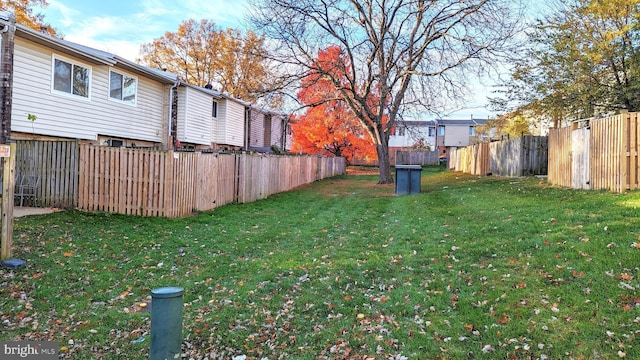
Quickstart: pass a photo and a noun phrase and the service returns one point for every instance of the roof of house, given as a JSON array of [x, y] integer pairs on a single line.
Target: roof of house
[[92, 55], [100, 57], [416, 123], [462, 122]]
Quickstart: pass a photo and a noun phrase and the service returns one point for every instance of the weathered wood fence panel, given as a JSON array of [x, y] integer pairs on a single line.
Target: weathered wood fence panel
[[524, 156], [535, 155], [472, 159], [417, 158], [56, 163], [174, 184], [579, 158], [263, 175], [506, 157]]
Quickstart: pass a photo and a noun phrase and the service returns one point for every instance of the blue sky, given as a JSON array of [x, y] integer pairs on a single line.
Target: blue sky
[[122, 26]]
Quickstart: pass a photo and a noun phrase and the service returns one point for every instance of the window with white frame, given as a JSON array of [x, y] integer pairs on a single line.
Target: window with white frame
[[214, 109], [432, 131], [440, 130], [122, 87], [71, 78], [472, 131]]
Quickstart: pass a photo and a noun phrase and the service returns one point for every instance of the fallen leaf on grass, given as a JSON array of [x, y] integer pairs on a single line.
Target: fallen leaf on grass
[[504, 319], [625, 276], [577, 274]]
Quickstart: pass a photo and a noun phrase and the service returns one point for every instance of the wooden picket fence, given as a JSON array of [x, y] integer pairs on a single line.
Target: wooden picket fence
[[602, 155], [175, 184]]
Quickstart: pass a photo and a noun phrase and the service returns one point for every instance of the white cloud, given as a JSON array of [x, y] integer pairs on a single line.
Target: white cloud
[[158, 8], [225, 13], [67, 14], [123, 33]]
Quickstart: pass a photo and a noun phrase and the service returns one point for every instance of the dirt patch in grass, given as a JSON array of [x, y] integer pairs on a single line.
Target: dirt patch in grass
[[362, 170]]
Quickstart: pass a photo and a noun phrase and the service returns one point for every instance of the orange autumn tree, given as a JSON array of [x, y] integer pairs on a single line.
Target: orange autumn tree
[[26, 14], [328, 126]]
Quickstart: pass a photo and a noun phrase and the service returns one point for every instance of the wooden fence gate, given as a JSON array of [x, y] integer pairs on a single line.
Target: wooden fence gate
[[580, 158]]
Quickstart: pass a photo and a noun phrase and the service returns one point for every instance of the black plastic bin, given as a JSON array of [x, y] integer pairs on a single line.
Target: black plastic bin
[[408, 179]]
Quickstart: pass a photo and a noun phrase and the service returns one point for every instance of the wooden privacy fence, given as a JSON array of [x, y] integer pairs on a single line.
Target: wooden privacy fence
[[417, 158], [174, 184], [523, 156], [472, 159], [603, 155], [515, 157], [55, 163]]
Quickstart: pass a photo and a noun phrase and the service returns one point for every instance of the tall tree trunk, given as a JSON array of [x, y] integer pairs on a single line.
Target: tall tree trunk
[[385, 166]]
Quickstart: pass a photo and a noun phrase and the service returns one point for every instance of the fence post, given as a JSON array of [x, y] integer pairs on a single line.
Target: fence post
[[166, 323]]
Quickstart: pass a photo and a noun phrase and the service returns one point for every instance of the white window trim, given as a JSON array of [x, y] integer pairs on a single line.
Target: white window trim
[[135, 102], [55, 57], [217, 109]]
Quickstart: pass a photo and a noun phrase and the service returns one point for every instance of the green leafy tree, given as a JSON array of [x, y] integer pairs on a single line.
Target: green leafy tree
[[584, 61]]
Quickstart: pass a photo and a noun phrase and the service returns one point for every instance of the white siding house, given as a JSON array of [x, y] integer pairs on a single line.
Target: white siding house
[[77, 92], [458, 133], [281, 131], [412, 133], [260, 122], [230, 130], [195, 116], [82, 93], [267, 129]]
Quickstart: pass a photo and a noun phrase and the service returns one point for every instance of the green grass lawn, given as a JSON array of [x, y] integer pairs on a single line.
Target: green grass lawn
[[344, 269]]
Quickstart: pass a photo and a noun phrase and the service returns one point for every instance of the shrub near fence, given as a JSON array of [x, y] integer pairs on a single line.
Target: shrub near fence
[[174, 184]]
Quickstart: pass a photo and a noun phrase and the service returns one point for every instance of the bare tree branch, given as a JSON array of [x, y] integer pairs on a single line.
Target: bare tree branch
[[394, 50]]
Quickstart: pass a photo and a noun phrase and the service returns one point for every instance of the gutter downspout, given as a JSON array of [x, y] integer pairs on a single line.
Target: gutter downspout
[[171, 144], [247, 128]]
